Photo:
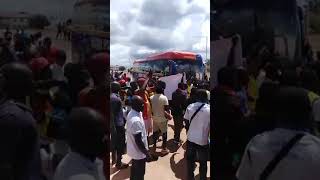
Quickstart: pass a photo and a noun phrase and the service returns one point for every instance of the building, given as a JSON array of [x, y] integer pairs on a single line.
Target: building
[[15, 20], [92, 12], [90, 21]]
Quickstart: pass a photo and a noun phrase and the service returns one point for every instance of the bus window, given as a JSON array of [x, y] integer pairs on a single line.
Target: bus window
[[258, 22], [157, 66]]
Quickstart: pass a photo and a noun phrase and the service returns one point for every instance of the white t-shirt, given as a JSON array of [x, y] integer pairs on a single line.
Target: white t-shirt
[[135, 125], [74, 166], [158, 101], [57, 72], [316, 110], [200, 126], [302, 161]]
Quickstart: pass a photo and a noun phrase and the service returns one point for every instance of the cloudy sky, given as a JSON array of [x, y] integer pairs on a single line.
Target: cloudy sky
[[140, 27], [62, 8]]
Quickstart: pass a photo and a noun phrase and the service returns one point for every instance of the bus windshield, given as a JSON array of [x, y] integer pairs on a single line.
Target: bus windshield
[[258, 22], [159, 66], [163, 64]]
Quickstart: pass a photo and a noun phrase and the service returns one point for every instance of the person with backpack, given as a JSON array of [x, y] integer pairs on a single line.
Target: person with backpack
[[289, 151], [197, 118]]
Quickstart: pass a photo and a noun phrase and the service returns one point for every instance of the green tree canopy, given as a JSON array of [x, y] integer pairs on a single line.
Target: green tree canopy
[[39, 21]]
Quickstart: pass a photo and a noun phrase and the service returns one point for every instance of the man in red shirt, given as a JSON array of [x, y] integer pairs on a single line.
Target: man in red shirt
[[146, 113], [48, 51], [96, 97]]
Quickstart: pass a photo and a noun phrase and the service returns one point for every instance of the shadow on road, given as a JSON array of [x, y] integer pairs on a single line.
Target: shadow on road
[[184, 146], [150, 140], [179, 168], [173, 147], [120, 174], [198, 177]]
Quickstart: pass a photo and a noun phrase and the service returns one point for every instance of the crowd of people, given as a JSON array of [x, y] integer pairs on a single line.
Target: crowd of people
[[140, 112], [53, 113], [266, 120]]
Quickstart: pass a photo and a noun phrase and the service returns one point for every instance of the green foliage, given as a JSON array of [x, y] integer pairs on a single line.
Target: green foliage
[[314, 6], [315, 22], [122, 68], [39, 21]]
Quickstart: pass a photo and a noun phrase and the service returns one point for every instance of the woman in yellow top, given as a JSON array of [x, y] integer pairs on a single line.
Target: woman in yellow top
[[252, 93], [189, 87]]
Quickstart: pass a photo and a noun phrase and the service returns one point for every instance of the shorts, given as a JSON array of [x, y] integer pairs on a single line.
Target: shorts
[[160, 124], [148, 125]]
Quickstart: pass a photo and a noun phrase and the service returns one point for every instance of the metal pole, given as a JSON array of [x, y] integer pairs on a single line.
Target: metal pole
[[206, 48]]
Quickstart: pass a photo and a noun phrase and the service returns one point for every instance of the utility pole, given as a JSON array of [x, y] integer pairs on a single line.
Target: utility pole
[[206, 48]]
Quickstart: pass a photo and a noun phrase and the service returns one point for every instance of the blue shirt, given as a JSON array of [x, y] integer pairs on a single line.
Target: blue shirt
[[116, 110], [20, 150], [242, 94]]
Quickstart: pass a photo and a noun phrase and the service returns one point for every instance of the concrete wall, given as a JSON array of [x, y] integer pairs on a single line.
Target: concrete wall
[[89, 14], [14, 22]]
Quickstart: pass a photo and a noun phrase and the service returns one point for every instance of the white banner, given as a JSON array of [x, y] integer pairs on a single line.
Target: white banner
[[220, 52], [171, 84]]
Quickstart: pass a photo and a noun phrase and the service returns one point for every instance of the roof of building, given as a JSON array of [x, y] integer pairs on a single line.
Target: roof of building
[[93, 2], [15, 15]]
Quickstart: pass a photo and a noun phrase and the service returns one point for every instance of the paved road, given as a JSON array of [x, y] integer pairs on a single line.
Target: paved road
[[170, 167]]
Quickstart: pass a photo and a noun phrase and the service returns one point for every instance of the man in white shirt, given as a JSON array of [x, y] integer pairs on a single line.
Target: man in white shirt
[[57, 67], [197, 118], [301, 159], [137, 143], [86, 138]]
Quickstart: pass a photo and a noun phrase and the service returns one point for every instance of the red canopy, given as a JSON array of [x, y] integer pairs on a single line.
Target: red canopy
[[171, 55]]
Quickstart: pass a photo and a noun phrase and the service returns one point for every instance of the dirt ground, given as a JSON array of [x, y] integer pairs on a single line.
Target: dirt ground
[[169, 167]]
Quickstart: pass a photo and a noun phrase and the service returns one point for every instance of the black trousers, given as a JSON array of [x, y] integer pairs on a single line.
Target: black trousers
[[164, 137], [138, 169], [178, 125], [192, 150], [120, 144]]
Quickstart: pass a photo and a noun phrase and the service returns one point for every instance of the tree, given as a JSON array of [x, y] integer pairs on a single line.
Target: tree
[[39, 21], [69, 22], [122, 68]]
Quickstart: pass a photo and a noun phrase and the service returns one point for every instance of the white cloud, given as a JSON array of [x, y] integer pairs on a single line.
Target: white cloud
[[118, 54], [140, 27]]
